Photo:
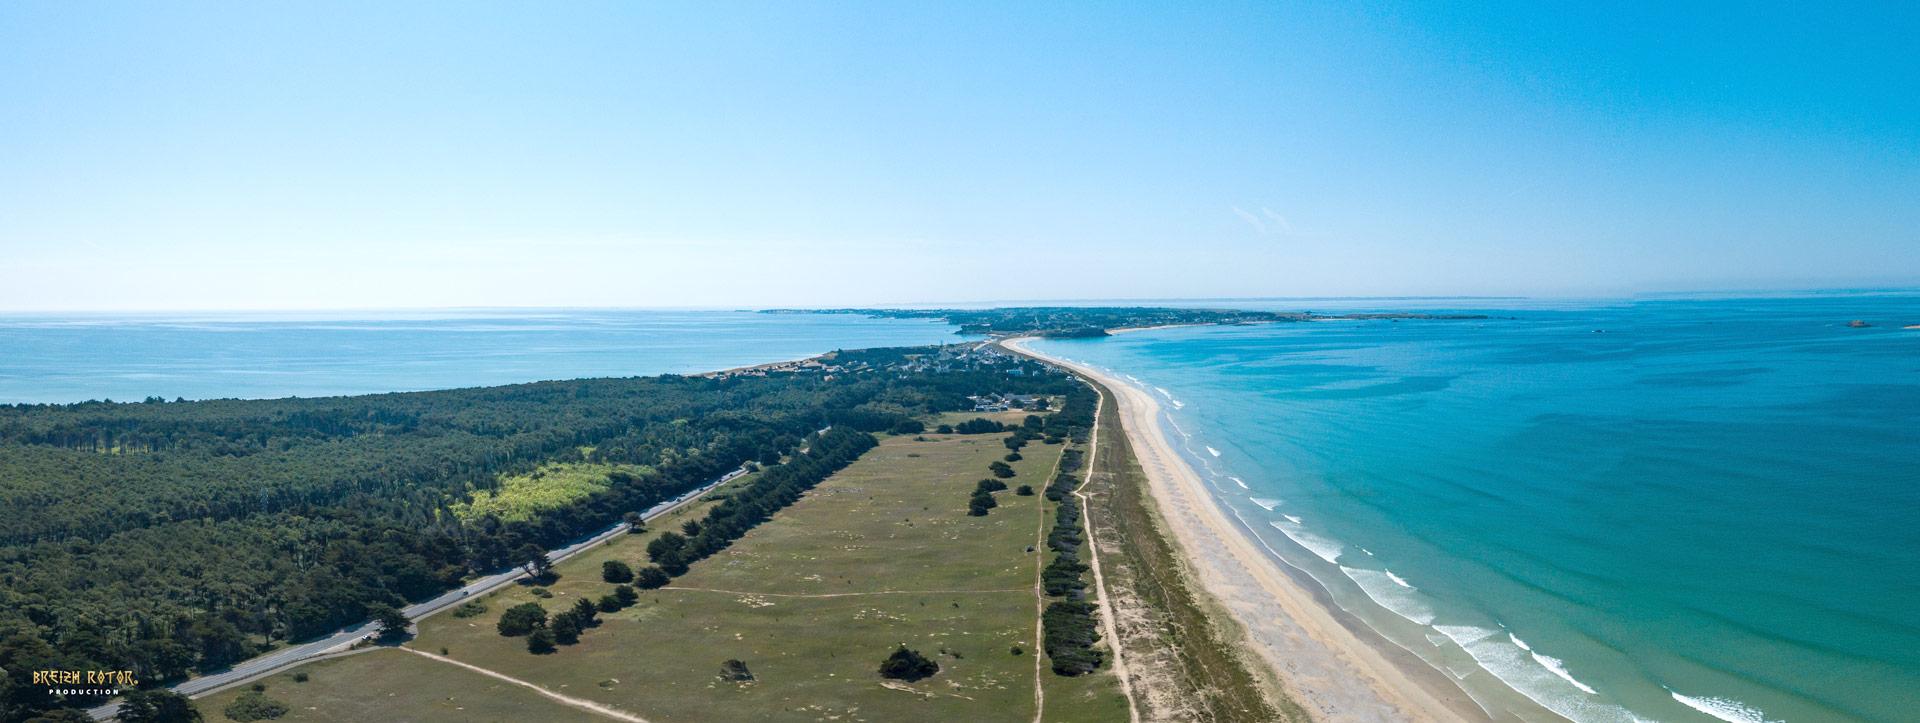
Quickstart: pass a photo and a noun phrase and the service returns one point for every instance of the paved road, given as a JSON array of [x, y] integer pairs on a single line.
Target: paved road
[[288, 656]]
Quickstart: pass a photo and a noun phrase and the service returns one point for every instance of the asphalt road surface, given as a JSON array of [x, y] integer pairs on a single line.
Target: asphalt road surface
[[292, 655]]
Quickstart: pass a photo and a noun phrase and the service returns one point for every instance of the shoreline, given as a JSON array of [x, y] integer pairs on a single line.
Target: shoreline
[[1324, 659]]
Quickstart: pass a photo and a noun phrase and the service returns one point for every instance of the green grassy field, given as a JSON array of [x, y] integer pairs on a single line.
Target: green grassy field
[[882, 553], [390, 685], [550, 486]]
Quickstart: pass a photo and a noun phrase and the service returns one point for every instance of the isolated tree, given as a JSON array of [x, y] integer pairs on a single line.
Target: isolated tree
[[565, 628], [1000, 469], [908, 665], [540, 642], [978, 505], [1024, 491], [615, 571], [157, 706], [625, 594], [609, 603], [652, 577], [393, 623], [638, 524], [534, 560], [989, 485], [1013, 457], [586, 612], [522, 619], [944, 429]]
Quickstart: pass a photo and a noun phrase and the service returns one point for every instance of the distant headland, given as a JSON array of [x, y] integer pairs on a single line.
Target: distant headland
[[1098, 321]]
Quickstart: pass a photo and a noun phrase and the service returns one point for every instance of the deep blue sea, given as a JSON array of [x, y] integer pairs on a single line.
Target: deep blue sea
[[72, 358], [1674, 509]]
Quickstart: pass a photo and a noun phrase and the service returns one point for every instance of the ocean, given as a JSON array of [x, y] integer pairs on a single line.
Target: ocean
[[1675, 509], [78, 357]]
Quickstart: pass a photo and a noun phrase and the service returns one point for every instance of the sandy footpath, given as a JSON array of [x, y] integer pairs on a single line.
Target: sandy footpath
[[1323, 664]]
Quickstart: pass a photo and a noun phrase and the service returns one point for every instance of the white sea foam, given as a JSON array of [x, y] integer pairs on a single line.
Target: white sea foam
[[1530, 674], [1177, 404], [1731, 711], [1398, 580], [1517, 641], [1292, 519], [1391, 593], [1265, 503], [1558, 667], [1242, 483], [1365, 550], [1163, 392], [1324, 548], [1213, 451]]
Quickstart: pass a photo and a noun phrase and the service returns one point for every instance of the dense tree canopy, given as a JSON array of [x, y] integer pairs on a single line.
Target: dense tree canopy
[[172, 538]]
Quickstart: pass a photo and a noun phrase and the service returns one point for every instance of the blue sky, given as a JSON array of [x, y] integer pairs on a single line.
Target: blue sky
[[276, 155]]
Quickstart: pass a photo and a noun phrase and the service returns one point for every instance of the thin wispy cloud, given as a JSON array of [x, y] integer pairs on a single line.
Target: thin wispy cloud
[[1266, 222], [1280, 223], [1258, 225]]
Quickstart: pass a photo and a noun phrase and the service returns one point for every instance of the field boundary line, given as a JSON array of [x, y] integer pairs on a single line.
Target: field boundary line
[[580, 703]]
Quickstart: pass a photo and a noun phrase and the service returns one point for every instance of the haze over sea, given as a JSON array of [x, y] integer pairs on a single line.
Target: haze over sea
[[1667, 509], [71, 358]]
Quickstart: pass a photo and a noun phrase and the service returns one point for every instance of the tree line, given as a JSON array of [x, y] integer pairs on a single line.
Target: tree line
[[170, 538]]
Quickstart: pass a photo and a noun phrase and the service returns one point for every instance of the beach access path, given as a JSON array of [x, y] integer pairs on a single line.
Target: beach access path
[[1322, 664]]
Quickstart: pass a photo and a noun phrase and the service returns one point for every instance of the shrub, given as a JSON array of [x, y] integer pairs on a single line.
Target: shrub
[[615, 571], [625, 595], [469, 609], [565, 628], [1014, 457], [989, 485], [301, 677], [908, 665], [979, 425], [610, 604], [540, 642], [1024, 491], [652, 577], [541, 592], [253, 705], [1001, 470], [736, 671], [909, 426], [522, 619], [944, 429]]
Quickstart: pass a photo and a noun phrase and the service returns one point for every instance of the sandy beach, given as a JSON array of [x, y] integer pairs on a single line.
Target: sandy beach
[[1323, 663]]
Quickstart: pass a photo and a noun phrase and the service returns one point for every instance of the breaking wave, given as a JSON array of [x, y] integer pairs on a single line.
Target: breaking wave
[[1731, 711]]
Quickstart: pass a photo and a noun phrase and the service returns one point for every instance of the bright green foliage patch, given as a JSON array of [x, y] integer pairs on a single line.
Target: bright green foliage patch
[[551, 486]]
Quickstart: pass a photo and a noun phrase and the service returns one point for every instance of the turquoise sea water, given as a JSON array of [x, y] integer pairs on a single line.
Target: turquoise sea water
[[72, 358], [1679, 509]]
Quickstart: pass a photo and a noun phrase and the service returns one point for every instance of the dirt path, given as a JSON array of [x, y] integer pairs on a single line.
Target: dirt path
[[1040, 594], [1099, 580], [580, 703]]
